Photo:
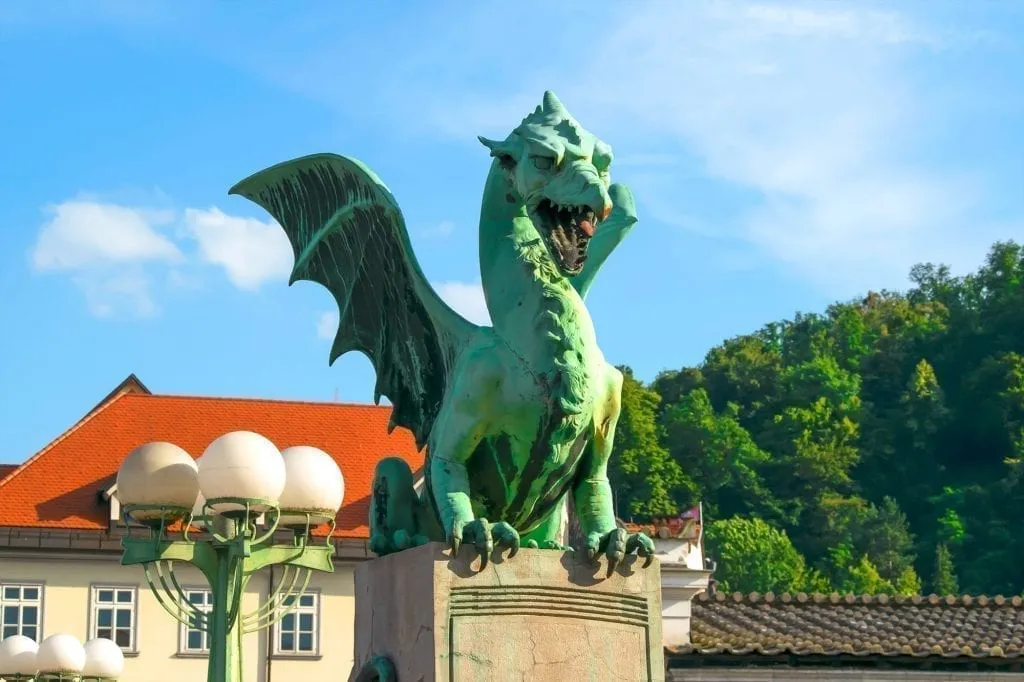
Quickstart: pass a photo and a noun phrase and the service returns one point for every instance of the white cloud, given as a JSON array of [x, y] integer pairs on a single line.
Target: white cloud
[[251, 251], [812, 110], [466, 299], [130, 290], [83, 234], [806, 107], [104, 248], [327, 325], [112, 251]]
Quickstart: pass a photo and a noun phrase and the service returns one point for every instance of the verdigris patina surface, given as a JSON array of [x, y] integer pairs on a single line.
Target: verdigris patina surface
[[516, 416]]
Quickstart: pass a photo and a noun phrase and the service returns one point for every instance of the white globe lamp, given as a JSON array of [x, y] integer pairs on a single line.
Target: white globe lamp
[[241, 465], [158, 475], [61, 653], [103, 660], [18, 657], [313, 485]]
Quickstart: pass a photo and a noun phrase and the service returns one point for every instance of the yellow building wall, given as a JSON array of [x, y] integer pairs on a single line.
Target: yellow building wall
[[66, 606]]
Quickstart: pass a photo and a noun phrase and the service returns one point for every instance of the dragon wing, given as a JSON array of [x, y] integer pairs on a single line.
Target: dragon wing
[[612, 231], [348, 234]]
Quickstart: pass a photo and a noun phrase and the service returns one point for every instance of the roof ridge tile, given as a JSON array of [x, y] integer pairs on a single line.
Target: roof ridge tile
[[272, 401]]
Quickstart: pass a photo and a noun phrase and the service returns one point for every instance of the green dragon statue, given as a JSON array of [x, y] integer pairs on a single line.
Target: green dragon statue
[[517, 416]]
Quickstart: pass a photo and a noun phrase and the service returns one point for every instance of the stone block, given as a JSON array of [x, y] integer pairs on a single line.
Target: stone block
[[542, 615]]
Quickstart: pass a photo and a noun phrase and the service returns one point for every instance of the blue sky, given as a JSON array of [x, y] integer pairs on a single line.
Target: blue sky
[[783, 155]]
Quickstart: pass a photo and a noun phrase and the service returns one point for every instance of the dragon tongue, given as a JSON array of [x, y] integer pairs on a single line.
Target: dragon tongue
[[587, 227]]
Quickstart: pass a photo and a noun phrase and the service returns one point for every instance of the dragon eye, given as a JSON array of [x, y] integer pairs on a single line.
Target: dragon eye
[[543, 162]]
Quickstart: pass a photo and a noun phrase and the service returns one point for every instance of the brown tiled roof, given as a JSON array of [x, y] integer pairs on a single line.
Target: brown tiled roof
[[59, 486], [834, 625], [6, 469]]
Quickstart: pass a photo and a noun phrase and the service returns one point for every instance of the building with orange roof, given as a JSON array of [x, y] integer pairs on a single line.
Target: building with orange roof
[[60, 531], [60, 535]]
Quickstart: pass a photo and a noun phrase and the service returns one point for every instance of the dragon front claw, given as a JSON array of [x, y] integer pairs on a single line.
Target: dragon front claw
[[618, 543], [484, 536], [506, 536]]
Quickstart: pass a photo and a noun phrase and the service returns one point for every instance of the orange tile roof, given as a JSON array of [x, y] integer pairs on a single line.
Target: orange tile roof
[[58, 487]]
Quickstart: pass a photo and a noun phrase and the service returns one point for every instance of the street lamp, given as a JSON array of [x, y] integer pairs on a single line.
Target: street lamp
[[60, 657], [238, 493]]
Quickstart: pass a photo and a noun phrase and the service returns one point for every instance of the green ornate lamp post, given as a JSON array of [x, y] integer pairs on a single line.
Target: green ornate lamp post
[[60, 657], [231, 502]]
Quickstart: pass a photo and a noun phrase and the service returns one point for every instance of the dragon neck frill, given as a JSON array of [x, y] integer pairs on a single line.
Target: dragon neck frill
[[534, 308]]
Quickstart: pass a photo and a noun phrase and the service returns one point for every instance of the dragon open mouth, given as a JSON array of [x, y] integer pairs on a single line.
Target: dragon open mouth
[[567, 231]]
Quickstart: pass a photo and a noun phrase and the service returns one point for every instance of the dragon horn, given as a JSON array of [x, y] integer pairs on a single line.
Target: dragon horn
[[551, 104], [490, 144], [499, 149]]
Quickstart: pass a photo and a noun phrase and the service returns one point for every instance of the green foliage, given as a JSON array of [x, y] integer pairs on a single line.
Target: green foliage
[[754, 556], [944, 576], [880, 435], [716, 453], [646, 480], [863, 578], [908, 583], [816, 583], [886, 539]]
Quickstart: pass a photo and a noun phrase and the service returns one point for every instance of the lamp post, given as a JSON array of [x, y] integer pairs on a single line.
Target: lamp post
[[60, 657], [237, 495]]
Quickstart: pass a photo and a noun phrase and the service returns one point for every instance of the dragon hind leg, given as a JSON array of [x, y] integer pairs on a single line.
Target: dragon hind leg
[[398, 517]]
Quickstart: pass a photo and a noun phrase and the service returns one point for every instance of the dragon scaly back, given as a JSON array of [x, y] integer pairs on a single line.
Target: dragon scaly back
[[348, 234]]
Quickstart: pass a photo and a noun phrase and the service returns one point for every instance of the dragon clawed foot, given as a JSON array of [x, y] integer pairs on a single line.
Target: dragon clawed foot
[[616, 544], [382, 543], [484, 537]]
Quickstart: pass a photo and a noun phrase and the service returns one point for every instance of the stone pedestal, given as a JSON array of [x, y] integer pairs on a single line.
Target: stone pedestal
[[543, 615]]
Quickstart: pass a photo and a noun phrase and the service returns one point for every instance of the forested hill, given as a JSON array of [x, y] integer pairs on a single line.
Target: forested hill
[[871, 448]]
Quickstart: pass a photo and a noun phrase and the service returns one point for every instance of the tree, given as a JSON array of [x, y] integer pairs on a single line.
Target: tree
[[752, 556], [645, 479], [886, 539], [944, 577], [878, 431], [863, 578], [813, 450], [907, 583], [743, 371], [845, 527], [717, 454]]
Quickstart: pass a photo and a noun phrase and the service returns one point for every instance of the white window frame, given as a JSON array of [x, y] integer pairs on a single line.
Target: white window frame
[[20, 603], [183, 630], [312, 610], [115, 606]]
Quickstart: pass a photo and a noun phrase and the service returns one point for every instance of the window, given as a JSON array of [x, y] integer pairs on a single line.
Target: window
[[194, 640], [113, 614], [297, 632], [21, 607]]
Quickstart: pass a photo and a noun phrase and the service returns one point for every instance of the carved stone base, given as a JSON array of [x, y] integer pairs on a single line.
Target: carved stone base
[[543, 615]]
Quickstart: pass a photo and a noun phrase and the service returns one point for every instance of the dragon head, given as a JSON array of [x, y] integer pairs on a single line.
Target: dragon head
[[560, 172]]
